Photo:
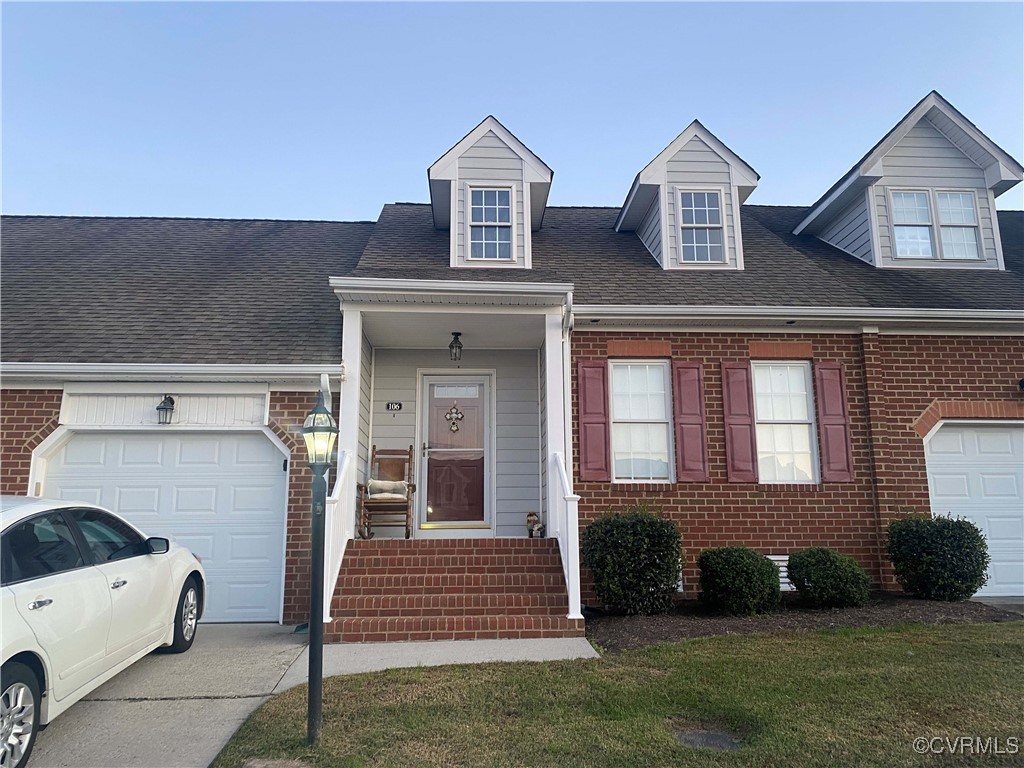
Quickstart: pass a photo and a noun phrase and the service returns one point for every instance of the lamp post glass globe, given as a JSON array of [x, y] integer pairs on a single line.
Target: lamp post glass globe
[[319, 431]]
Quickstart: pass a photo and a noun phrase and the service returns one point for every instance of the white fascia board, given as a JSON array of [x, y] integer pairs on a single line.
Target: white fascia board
[[370, 287], [857, 314], [854, 181], [166, 372], [634, 188]]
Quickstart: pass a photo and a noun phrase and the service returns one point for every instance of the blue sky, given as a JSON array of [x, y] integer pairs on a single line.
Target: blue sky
[[330, 110]]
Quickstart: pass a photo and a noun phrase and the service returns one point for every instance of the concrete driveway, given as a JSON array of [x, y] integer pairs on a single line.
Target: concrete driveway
[[168, 711]]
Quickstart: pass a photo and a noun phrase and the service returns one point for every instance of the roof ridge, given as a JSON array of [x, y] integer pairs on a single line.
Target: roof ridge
[[181, 218]]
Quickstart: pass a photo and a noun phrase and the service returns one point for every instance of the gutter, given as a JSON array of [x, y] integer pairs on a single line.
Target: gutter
[[851, 314], [169, 372]]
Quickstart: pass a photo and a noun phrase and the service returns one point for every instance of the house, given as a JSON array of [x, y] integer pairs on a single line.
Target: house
[[776, 376]]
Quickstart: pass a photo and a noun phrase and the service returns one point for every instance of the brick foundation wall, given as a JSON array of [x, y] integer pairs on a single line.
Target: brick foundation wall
[[27, 416], [891, 381]]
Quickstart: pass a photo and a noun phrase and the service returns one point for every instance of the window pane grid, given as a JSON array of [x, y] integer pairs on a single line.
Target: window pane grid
[[490, 233], [640, 421], [959, 242], [784, 423], [957, 208], [700, 216], [910, 208], [913, 242]]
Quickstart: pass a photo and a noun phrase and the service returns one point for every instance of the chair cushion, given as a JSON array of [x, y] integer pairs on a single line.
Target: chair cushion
[[387, 489]]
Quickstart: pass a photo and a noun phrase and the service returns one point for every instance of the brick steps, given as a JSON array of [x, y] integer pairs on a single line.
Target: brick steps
[[392, 590], [406, 629]]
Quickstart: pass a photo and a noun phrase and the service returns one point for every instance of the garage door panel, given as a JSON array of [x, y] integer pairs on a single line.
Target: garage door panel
[[221, 495], [977, 472]]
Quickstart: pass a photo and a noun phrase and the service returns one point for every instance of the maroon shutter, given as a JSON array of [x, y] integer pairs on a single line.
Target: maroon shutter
[[595, 431], [738, 407], [833, 423], [688, 403]]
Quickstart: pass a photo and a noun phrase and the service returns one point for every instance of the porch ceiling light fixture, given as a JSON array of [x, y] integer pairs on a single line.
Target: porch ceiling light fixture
[[455, 348], [165, 409]]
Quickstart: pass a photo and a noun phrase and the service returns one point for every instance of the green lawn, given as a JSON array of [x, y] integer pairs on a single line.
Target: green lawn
[[830, 698]]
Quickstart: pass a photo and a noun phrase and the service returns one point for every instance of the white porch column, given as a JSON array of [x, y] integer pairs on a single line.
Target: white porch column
[[562, 503], [348, 395]]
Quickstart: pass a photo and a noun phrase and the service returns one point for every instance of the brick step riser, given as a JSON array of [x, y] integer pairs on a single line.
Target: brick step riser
[[524, 562], [497, 602], [499, 590], [453, 583], [449, 547], [412, 613], [453, 572], [450, 628]]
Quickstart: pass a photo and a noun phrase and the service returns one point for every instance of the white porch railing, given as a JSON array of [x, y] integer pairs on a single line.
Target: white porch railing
[[339, 526], [565, 525]]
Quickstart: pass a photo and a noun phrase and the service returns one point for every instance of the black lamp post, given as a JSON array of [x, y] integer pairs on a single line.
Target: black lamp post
[[320, 430], [455, 347], [165, 409]]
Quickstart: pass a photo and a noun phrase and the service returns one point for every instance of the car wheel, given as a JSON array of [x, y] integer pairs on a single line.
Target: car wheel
[[186, 618], [19, 714]]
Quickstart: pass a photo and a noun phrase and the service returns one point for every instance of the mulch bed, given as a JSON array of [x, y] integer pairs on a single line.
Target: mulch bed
[[689, 619]]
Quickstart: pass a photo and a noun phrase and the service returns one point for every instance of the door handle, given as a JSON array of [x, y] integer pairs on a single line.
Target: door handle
[[118, 584], [37, 604]]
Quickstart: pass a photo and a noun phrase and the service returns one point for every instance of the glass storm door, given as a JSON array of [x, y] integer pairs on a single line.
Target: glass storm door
[[454, 454]]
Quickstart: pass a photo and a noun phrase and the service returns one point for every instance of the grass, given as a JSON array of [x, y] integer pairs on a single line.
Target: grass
[[843, 697]]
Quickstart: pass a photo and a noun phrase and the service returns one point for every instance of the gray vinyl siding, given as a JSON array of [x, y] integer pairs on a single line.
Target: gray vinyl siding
[[365, 377], [851, 230], [696, 167], [926, 160], [490, 163], [516, 431], [649, 230]]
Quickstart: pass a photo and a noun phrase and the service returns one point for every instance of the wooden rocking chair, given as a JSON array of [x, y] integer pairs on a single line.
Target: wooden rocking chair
[[385, 501]]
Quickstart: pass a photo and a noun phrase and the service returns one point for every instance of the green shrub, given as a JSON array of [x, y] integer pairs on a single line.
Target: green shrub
[[634, 556], [938, 558], [828, 579], [738, 581]]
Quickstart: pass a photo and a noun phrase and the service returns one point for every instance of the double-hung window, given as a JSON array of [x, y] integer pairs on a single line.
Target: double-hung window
[[784, 412], [700, 221], [912, 225], [641, 413], [958, 225], [914, 215], [490, 230]]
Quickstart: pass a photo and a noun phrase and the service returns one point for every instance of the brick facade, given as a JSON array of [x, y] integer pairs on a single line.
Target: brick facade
[[892, 382], [27, 416]]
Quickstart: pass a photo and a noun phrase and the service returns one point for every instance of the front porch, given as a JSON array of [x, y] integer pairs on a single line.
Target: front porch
[[489, 436]]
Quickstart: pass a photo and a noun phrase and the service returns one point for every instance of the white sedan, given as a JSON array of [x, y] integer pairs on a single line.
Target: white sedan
[[84, 595]]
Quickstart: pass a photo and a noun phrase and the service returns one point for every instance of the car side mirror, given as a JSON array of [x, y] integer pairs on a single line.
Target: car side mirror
[[157, 545]]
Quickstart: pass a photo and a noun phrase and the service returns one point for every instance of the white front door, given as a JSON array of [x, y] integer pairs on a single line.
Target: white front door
[[455, 473], [220, 494], [977, 472]]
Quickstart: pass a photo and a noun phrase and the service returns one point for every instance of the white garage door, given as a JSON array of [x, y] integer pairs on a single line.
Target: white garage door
[[222, 495], [977, 472]]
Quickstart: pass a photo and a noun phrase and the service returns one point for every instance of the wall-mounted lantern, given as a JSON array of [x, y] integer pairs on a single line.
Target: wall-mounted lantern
[[455, 348], [165, 409]]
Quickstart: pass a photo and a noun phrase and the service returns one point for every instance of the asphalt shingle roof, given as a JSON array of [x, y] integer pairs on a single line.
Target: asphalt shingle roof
[[580, 245], [150, 290], [142, 290]]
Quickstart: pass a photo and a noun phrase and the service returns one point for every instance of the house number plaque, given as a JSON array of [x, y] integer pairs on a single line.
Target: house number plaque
[[393, 406]]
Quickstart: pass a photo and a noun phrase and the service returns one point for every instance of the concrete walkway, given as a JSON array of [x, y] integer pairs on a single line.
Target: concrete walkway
[[168, 711], [371, 657], [1013, 604]]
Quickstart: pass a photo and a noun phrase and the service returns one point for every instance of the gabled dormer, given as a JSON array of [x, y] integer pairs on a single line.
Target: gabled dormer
[[490, 190], [923, 196], [685, 205]]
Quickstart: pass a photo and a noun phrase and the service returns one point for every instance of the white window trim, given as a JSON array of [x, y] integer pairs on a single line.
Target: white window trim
[[512, 224], [678, 192], [669, 420], [812, 420], [935, 227]]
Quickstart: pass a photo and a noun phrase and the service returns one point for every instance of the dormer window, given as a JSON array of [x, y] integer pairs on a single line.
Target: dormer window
[[958, 224], [913, 223], [490, 231], [701, 227]]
